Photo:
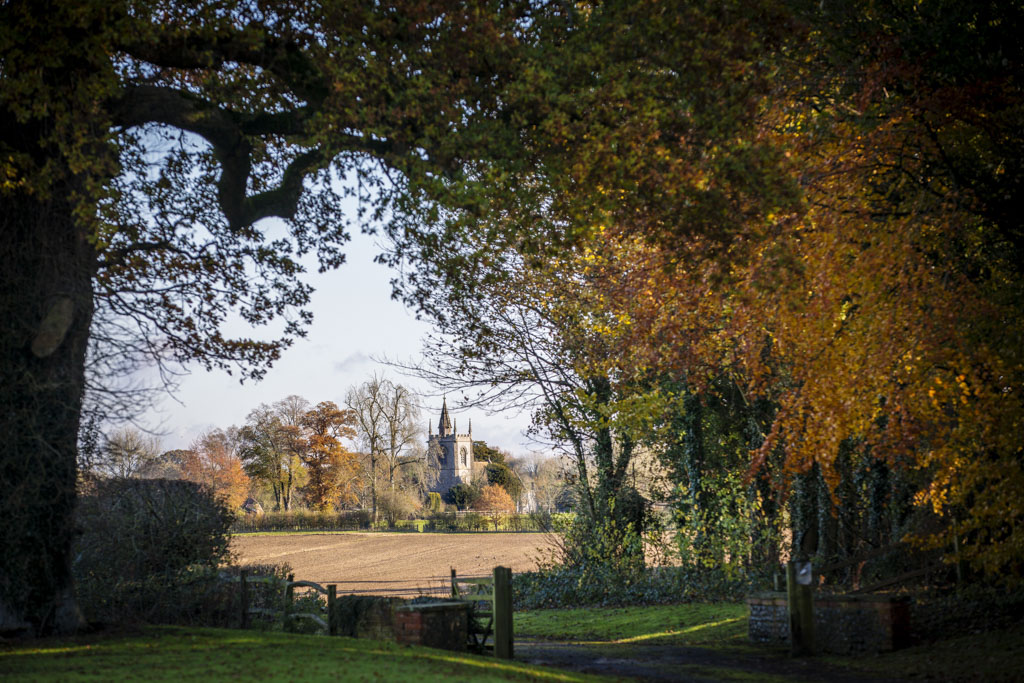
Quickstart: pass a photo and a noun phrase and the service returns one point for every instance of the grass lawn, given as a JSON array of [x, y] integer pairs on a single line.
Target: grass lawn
[[178, 654], [719, 624]]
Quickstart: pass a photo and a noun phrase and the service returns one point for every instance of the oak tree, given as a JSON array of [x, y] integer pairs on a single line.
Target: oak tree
[[332, 471]]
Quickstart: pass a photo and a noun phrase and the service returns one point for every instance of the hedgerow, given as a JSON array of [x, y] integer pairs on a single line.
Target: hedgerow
[[599, 586]]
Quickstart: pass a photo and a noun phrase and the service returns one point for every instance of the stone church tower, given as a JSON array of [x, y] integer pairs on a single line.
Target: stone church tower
[[454, 452]]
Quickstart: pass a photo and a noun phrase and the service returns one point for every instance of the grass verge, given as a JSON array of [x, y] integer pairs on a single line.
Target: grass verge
[[177, 654]]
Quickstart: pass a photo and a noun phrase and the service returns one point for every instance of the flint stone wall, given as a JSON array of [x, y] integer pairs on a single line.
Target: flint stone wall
[[843, 624], [367, 616]]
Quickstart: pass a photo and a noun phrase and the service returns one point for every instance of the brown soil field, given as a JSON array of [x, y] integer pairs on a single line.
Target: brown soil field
[[403, 564]]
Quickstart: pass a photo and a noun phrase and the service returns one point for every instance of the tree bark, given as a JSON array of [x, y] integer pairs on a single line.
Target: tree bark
[[46, 308]]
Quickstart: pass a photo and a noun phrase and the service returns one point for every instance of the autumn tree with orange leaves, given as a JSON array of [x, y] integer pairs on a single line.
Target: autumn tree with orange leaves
[[822, 254], [494, 498], [333, 472], [212, 460]]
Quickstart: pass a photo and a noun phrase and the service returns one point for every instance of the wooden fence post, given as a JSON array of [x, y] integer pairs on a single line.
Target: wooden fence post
[[289, 594], [332, 613], [455, 588], [801, 608], [503, 613], [243, 589]]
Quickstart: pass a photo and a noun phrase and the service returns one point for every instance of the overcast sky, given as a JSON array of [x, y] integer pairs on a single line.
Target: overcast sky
[[355, 322]]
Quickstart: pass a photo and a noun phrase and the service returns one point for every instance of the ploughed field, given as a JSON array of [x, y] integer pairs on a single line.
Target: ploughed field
[[402, 564]]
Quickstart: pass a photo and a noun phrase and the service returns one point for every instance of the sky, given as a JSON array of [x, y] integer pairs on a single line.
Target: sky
[[356, 323]]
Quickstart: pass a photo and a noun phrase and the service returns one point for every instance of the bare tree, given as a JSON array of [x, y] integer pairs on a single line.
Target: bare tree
[[402, 429], [387, 425], [369, 427], [127, 453]]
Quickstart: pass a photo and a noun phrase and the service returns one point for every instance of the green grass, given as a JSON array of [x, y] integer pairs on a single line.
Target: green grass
[[691, 624], [180, 654]]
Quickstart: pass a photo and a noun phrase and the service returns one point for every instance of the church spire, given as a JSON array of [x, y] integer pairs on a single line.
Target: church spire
[[444, 425]]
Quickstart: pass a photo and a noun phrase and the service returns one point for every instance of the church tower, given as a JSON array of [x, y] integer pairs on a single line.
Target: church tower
[[454, 452]]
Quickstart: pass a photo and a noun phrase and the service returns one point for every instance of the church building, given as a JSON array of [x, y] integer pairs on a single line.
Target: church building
[[454, 452]]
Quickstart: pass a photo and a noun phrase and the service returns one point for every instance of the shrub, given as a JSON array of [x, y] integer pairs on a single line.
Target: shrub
[[396, 505], [138, 527], [149, 549]]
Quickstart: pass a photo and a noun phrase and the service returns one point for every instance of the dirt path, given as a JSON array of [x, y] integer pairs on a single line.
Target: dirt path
[[403, 564]]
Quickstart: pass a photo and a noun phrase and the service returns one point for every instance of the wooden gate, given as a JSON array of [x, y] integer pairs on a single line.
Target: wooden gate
[[491, 597]]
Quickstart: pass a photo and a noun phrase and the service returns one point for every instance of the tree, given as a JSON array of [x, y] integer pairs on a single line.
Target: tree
[[387, 425], [143, 144], [462, 496], [332, 470], [547, 482], [499, 474], [127, 454], [271, 445], [494, 498], [484, 453], [536, 338], [212, 461]]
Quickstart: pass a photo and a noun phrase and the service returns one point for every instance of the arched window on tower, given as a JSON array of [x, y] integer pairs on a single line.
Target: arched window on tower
[[464, 456]]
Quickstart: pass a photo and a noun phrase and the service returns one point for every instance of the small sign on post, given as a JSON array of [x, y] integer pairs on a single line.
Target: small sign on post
[[799, 590]]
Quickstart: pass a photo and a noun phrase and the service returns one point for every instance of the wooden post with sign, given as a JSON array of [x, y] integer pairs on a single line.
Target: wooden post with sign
[[801, 607]]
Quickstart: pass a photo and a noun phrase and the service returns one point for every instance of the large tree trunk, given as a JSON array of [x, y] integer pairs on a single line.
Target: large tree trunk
[[46, 268]]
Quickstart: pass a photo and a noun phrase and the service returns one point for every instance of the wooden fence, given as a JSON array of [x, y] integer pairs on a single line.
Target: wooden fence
[[326, 619]]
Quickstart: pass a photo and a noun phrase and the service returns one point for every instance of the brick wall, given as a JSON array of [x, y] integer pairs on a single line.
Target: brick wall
[[442, 625]]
